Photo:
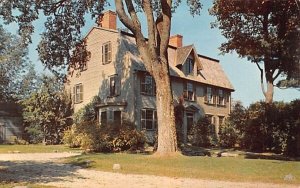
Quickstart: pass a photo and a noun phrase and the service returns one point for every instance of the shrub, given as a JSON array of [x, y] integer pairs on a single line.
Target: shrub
[[109, 138], [201, 134], [228, 135]]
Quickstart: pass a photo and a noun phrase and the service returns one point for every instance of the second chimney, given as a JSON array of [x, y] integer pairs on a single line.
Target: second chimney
[[108, 20], [176, 41]]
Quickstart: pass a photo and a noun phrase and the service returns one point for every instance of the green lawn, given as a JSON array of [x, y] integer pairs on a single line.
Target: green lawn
[[10, 185], [35, 148], [223, 168]]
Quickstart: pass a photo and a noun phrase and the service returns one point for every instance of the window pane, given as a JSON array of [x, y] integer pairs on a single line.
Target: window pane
[[149, 114], [190, 87], [149, 124]]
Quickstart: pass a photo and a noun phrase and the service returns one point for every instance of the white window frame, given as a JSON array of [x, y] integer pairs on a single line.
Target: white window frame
[[189, 66], [144, 119], [78, 93], [147, 85], [106, 53], [189, 92], [221, 98], [209, 95]]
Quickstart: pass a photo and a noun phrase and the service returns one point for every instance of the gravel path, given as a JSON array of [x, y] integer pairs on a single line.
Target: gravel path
[[44, 168]]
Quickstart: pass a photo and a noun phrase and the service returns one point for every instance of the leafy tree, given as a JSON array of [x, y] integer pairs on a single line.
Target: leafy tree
[[16, 72], [266, 32], [46, 112], [65, 18]]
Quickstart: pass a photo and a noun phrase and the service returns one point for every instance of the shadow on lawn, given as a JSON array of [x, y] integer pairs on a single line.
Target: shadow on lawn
[[34, 172], [269, 156]]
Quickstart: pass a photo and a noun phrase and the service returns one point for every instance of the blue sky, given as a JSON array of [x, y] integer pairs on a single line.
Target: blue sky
[[196, 30]]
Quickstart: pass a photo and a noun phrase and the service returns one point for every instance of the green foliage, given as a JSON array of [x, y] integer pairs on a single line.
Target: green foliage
[[88, 112], [262, 31], [110, 138], [46, 112], [16, 73], [202, 134], [263, 127], [228, 135], [179, 115]]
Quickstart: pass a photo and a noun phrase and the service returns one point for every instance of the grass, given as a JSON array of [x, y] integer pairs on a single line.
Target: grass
[[35, 148], [10, 185], [217, 168]]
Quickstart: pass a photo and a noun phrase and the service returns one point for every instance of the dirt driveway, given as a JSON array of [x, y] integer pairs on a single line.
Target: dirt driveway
[[44, 168]]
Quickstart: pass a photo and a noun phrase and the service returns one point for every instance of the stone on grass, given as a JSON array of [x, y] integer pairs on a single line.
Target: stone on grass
[[116, 167], [229, 154]]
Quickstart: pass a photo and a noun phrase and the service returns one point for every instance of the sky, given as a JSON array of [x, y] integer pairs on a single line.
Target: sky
[[244, 75]]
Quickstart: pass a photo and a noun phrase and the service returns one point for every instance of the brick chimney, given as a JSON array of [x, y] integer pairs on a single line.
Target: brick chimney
[[108, 20], [176, 41]]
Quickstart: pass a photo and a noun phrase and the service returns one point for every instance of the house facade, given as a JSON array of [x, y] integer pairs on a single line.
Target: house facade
[[11, 122], [115, 72]]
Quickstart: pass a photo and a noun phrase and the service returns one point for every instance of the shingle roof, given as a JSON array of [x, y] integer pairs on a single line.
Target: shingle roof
[[211, 72], [182, 54]]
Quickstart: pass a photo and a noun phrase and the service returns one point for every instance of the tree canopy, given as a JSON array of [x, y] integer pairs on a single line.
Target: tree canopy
[[64, 20], [16, 72], [264, 31]]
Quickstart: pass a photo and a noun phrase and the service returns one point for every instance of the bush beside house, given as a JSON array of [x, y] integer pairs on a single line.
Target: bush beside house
[[264, 127], [88, 134]]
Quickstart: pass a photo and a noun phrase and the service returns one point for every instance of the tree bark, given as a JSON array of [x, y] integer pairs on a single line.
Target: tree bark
[[270, 91], [155, 58], [167, 141]]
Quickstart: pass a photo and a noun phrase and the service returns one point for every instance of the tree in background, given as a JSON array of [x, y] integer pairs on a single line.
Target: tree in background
[[16, 72], [46, 112], [264, 31], [65, 18]]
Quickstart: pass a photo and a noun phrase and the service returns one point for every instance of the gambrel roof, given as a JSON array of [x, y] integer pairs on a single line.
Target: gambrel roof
[[209, 70]]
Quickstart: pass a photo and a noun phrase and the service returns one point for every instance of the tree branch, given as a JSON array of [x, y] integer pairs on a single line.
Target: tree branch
[[166, 25], [133, 15], [261, 79], [276, 76], [124, 17], [147, 7]]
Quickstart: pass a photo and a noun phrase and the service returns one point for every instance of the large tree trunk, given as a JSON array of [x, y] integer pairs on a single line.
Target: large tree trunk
[[269, 92], [167, 141], [154, 53]]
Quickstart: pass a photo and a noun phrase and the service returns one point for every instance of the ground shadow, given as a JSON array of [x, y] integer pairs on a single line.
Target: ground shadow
[[34, 172], [249, 155]]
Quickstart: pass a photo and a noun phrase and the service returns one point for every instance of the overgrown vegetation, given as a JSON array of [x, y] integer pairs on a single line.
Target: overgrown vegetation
[[273, 127], [201, 134], [46, 113], [89, 135]]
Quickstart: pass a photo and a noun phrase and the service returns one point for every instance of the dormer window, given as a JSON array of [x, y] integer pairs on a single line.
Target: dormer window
[[189, 66]]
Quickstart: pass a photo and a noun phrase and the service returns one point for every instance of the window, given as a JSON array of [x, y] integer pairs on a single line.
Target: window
[[189, 66], [106, 53], [114, 85], [148, 86], [103, 118], [209, 98], [111, 117], [221, 120], [221, 98], [189, 93], [78, 93], [148, 119], [212, 121]]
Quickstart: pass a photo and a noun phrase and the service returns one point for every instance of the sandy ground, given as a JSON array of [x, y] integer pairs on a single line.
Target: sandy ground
[[44, 168]]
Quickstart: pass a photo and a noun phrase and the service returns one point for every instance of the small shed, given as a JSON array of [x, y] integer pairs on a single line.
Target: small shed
[[11, 122]]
